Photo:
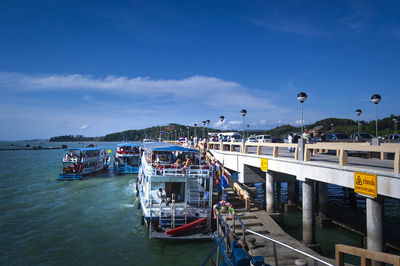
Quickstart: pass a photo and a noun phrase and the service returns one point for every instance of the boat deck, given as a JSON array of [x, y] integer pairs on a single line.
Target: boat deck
[[192, 235]]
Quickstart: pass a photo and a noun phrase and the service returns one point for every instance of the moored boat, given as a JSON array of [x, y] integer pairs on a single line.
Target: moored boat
[[80, 162], [174, 200], [127, 158]]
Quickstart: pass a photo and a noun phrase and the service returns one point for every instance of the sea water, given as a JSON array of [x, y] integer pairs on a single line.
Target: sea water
[[94, 221]]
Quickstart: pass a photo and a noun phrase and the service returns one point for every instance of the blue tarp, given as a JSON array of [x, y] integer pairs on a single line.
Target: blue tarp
[[174, 148], [162, 146]]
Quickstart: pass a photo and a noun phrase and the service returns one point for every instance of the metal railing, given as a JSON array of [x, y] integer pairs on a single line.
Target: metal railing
[[274, 243], [170, 170], [220, 242], [245, 229]]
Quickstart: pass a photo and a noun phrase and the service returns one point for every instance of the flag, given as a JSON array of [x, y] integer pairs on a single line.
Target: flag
[[162, 133]]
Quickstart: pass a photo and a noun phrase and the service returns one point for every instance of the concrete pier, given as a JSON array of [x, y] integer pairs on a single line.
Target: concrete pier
[[375, 224], [291, 191], [269, 190], [308, 215], [322, 220]]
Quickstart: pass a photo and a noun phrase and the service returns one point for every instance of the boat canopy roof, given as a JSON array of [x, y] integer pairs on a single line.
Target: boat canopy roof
[[83, 149], [128, 144], [162, 146]]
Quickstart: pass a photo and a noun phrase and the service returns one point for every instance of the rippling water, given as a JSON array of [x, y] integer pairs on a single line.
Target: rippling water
[[91, 222]]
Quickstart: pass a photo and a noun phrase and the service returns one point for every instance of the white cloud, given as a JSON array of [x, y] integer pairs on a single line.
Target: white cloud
[[263, 122], [235, 122], [119, 103]]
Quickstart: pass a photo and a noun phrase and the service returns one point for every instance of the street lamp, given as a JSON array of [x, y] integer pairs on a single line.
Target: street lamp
[[208, 123], [395, 125], [195, 125], [247, 129], [358, 112], [222, 118], [376, 98], [203, 129], [332, 126], [188, 133], [243, 112], [302, 97]]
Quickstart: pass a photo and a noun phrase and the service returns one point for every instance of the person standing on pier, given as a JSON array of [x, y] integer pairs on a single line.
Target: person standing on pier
[[306, 136], [290, 140]]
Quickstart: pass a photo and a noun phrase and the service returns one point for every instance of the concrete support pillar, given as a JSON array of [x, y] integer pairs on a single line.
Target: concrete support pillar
[[322, 219], [296, 191], [291, 191], [269, 189], [308, 216], [375, 224]]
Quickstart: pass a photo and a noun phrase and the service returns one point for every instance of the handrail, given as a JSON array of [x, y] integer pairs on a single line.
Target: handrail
[[245, 229], [219, 241], [364, 254]]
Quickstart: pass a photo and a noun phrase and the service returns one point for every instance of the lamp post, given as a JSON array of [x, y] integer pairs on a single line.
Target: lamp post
[[203, 129], [188, 133], [208, 123], [302, 97], [375, 99], [332, 126], [221, 118], [243, 112], [195, 126], [358, 112], [247, 129], [395, 125]]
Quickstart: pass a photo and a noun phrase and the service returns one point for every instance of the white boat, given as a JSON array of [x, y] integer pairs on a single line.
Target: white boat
[[175, 202], [80, 162], [127, 158]]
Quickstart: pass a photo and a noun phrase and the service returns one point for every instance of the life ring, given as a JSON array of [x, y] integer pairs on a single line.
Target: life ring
[[220, 204]]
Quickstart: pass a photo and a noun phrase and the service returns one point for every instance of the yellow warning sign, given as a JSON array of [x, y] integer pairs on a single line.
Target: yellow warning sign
[[109, 151], [264, 164], [365, 184]]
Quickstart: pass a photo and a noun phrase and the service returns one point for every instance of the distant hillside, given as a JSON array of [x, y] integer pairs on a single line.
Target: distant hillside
[[172, 131], [71, 138], [347, 126]]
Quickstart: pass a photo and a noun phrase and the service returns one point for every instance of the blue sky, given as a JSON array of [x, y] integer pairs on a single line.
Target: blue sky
[[97, 67]]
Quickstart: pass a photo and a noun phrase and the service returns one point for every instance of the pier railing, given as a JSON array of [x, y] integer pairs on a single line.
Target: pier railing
[[224, 247], [341, 148], [365, 255]]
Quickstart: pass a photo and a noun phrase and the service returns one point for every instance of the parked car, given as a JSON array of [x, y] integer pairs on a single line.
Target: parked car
[[251, 139], [277, 140], [336, 136], [394, 137], [264, 138], [363, 137]]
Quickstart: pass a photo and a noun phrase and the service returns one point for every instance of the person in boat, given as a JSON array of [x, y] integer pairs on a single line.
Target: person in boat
[[68, 157], [160, 195], [186, 164], [177, 163]]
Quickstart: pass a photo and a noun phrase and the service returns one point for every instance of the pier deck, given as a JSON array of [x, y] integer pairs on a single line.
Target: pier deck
[[259, 221]]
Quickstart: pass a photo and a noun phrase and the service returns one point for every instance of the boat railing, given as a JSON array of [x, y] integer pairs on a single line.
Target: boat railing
[[171, 170]]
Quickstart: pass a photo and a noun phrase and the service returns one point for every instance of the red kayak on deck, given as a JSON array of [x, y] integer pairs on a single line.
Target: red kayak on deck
[[185, 227]]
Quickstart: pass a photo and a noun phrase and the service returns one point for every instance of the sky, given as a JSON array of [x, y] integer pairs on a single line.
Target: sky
[[97, 67]]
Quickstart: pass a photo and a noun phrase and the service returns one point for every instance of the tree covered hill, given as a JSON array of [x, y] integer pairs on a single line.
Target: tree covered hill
[[347, 126]]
